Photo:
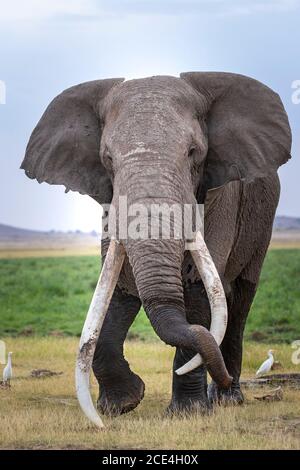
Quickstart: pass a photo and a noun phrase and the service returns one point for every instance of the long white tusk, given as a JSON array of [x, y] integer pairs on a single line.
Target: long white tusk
[[91, 329], [215, 294]]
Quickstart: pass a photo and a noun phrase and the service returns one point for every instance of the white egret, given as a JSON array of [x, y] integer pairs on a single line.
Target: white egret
[[7, 371], [266, 365]]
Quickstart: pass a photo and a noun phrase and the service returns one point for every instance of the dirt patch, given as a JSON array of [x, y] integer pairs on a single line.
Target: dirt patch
[[43, 373]]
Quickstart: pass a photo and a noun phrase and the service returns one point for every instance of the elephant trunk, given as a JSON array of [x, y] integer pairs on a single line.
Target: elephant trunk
[[156, 267], [156, 261]]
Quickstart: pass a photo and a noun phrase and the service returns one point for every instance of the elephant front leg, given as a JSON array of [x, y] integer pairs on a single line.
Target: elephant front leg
[[232, 345], [189, 391], [120, 389]]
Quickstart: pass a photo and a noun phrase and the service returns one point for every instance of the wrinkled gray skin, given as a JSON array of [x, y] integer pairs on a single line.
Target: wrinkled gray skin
[[205, 137]]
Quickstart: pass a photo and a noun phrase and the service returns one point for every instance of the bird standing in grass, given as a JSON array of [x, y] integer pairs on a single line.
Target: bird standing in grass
[[266, 365], [7, 371]]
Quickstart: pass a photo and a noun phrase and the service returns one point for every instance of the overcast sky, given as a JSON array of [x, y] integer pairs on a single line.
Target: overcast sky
[[49, 45]]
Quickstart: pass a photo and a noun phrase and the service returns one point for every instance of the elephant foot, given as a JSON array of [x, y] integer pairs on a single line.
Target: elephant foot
[[232, 396], [123, 396], [188, 407]]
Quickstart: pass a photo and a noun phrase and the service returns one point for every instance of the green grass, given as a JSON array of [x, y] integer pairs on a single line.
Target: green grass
[[44, 295], [45, 414], [51, 295], [275, 312]]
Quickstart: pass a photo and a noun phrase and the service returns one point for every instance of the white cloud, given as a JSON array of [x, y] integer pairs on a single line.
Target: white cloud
[[240, 7], [192, 7], [14, 10]]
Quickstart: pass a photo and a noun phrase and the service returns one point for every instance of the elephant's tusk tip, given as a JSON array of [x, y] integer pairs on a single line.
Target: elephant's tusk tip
[[196, 361], [84, 397]]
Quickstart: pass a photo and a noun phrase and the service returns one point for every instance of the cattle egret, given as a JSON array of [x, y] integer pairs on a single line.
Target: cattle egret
[[7, 371], [267, 365]]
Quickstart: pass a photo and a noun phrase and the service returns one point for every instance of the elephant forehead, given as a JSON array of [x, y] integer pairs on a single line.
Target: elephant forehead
[[155, 91]]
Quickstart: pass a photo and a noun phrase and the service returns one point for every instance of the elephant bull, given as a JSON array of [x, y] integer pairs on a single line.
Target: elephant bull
[[206, 137]]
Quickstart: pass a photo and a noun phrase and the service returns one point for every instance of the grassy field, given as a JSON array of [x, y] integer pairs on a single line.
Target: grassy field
[[43, 413], [50, 295]]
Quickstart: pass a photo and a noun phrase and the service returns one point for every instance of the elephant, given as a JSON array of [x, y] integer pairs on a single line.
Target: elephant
[[210, 138]]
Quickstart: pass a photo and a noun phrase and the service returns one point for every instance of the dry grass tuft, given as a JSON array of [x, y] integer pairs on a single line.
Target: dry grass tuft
[[44, 413]]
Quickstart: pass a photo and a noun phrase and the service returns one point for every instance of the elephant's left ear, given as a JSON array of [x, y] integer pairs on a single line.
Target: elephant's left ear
[[248, 129], [64, 147]]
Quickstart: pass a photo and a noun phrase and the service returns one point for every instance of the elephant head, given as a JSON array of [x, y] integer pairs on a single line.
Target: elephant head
[[164, 140]]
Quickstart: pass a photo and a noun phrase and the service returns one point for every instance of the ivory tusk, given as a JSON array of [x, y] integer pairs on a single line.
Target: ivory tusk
[[216, 297], [91, 330]]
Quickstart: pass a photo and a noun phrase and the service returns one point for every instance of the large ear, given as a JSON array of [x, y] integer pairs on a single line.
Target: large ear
[[248, 129], [64, 146]]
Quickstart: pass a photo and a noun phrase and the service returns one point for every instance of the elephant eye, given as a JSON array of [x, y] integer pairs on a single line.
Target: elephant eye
[[107, 159], [192, 152]]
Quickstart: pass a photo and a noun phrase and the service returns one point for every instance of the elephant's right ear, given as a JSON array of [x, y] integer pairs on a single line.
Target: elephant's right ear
[[64, 146]]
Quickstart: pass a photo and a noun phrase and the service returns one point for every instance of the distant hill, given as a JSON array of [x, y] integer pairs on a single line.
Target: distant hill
[[282, 222], [11, 233], [286, 233], [14, 240], [8, 232]]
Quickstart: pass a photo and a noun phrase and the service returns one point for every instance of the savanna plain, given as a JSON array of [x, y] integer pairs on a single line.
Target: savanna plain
[[43, 305]]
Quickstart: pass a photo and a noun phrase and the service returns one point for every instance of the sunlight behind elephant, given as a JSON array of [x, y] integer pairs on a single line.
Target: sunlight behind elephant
[[44, 413], [149, 70], [85, 213]]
